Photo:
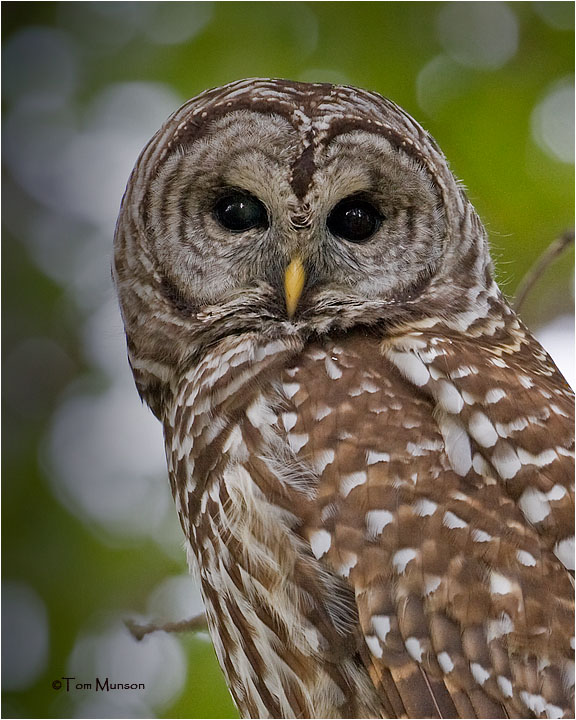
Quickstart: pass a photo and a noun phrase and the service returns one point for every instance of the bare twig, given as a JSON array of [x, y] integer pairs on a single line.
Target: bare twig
[[553, 250], [194, 624]]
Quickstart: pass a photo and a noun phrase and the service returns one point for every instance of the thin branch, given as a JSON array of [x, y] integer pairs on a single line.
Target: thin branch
[[553, 251], [195, 624]]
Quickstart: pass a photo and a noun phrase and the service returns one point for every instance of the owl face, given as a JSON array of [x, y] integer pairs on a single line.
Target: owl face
[[328, 177], [289, 208], [226, 218]]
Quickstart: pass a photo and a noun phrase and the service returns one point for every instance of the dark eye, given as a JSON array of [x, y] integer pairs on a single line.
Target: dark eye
[[354, 219], [239, 211]]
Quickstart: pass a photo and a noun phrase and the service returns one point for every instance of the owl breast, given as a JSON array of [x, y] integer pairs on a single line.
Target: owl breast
[[303, 471], [284, 629]]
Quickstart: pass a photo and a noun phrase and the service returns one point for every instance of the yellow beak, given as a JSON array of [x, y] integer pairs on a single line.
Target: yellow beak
[[294, 279]]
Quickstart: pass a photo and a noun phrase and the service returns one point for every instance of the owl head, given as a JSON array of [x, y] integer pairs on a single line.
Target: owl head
[[276, 207]]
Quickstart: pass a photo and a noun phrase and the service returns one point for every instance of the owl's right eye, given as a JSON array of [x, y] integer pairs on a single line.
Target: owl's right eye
[[238, 212], [354, 219]]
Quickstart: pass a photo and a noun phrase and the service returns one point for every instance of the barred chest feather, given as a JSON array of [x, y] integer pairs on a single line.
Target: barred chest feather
[[284, 629], [376, 526]]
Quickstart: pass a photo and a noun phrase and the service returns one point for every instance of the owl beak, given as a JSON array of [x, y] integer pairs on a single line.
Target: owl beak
[[294, 279]]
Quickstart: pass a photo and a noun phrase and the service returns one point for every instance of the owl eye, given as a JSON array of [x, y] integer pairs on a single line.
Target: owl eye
[[238, 212], [354, 219]]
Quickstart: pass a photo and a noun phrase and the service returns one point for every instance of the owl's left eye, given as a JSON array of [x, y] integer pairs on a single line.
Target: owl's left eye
[[238, 212], [354, 219]]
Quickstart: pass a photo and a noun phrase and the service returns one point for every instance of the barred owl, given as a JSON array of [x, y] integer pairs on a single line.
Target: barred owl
[[369, 454]]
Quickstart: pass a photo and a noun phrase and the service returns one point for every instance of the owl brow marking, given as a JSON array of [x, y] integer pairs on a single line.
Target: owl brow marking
[[313, 111], [302, 172]]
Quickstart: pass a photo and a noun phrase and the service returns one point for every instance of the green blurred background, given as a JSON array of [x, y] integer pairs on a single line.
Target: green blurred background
[[90, 534]]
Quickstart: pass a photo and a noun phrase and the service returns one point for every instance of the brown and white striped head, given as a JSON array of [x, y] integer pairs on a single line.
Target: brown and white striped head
[[288, 208]]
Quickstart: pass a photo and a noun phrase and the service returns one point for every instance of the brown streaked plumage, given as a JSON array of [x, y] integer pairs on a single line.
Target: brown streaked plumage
[[370, 455]]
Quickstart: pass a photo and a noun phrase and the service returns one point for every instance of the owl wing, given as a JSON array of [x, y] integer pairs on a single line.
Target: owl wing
[[444, 467]]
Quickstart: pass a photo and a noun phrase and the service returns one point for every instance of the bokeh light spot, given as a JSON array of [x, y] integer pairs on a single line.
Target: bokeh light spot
[[439, 81], [110, 651], [173, 23], [43, 65], [553, 121], [558, 339], [25, 637], [176, 598], [478, 34], [108, 463], [81, 169]]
